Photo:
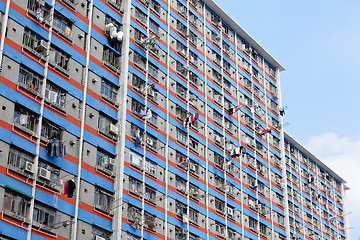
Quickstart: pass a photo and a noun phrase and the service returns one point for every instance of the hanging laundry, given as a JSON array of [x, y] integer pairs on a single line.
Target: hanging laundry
[[138, 140], [185, 122], [62, 149], [23, 119], [264, 131], [234, 109], [143, 113], [40, 14], [69, 188], [147, 87], [185, 219], [193, 117], [148, 114], [56, 148], [68, 31], [227, 163]]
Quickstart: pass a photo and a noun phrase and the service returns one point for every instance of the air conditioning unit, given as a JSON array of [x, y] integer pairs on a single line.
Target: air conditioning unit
[[29, 167], [192, 167], [230, 211], [113, 129], [42, 46], [150, 141], [44, 173], [99, 238]]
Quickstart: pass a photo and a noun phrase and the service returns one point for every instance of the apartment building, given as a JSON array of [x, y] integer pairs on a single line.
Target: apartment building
[[150, 119]]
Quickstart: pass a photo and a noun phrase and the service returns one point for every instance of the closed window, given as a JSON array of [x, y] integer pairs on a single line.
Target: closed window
[[44, 215]]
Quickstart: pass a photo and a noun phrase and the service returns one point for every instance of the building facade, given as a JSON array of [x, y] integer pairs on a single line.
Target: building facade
[[150, 119]]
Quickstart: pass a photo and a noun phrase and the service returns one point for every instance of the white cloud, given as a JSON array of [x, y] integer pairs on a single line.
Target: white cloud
[[342, 155]]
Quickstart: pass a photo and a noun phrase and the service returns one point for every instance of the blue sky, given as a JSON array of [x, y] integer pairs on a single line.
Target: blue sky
[[318, 43]]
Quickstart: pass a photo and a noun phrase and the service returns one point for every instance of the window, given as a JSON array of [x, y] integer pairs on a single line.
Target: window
[[217, 117], [150, 167], [231, 234], [111, 59], [246, 65], [154, 5], [193, 39], [218, 160], [103, 200], [276, 142], [194, 215], [34, 6], [50, 131], [140, 16], [181, 9], [226, 66], [52, 174], [219, 205], [140, 61], [149, 221], [251, 202], [104, 125], [217, 96], [150, 194], [215, 38], [108, 91], [181, 28], [44, 215], [220, 183], [216, 58], [18, 160], [193, 100], [100, 233], [193, 19], [180, 233], [30, 80], [55, 95], [194, 191], [104, 161], [182, 69], [180, 208], [181, 48], [154, 27], [253, 224], [135, 186], [135, 159], [220, 229], [59, 59], [193, 58], [153, 119], [181, 90], [226, 47], [193, 144], [16, 204], [263, 229], [25, 119], [180, 184], [34, 43], [194, 79], [181, 136], [62, 25], [138, 83], [153, 71], [180, 112], [129, 236]]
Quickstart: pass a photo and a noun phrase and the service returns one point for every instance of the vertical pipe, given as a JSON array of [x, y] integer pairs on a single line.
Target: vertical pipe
[[283, 161], [82, 120], [38, 130]]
